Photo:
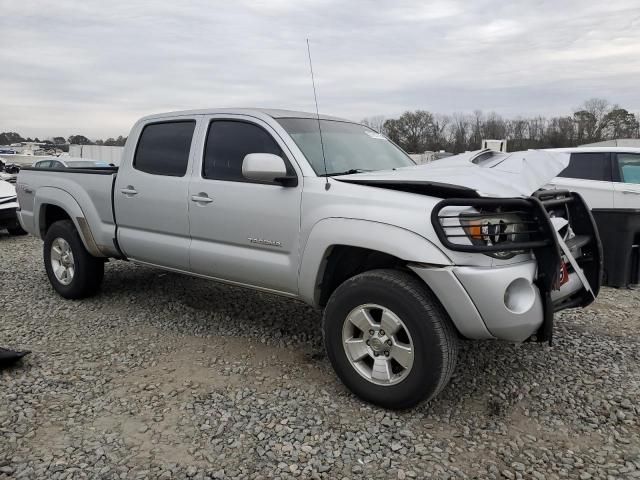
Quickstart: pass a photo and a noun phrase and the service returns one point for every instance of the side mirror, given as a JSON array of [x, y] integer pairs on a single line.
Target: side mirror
[[266, 167]]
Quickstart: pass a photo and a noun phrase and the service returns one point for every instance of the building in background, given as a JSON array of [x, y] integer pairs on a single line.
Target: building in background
[[97, 152]]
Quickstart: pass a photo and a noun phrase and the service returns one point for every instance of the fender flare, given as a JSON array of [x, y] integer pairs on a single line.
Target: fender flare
[[58, 197], [382, 237]]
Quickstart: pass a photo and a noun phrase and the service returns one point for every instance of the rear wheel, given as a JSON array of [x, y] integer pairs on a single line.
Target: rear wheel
[[72, 271], [389, 339]]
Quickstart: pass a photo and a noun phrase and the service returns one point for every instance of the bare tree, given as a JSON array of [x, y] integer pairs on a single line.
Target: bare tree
[[494, 127], [586, 126], [459, 132], [598, 107], [517, 133], [375, 122], [476, 129]]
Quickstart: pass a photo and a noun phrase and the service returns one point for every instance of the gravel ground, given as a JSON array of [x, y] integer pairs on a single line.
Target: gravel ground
[[164, 376]]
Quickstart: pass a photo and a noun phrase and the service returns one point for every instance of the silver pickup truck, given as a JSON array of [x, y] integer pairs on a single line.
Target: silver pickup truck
[[404, 259]]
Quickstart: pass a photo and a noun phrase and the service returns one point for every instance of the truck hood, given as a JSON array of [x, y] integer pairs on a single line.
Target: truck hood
[[483, 173]]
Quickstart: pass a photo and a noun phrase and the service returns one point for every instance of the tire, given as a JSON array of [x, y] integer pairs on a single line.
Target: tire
[[426, 327], [87, 271], [16, 231]]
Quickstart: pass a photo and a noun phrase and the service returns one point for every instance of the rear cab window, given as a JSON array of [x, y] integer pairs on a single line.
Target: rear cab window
[[163, 148], [589, 166]]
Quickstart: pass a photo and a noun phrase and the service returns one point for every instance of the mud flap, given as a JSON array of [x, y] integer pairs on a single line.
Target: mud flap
[[546, 331]]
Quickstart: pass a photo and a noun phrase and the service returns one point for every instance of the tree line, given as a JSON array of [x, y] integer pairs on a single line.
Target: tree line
[[420, 130], [7, 138]]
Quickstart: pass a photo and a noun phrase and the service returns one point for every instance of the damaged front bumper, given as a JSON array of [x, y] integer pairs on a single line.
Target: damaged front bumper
[[9, 216], [580, 255], [516, 302]]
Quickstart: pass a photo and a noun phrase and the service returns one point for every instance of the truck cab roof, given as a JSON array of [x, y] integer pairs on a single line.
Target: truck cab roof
[[255, 112]]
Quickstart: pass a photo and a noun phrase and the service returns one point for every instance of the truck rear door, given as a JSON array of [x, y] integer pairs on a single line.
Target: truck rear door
[[150, 194], [243, 231]]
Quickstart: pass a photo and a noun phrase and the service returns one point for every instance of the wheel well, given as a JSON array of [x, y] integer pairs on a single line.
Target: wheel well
[[344, 262], [51, 214]]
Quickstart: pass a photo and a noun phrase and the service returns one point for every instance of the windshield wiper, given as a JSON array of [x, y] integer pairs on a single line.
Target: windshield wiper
[[347, 172]]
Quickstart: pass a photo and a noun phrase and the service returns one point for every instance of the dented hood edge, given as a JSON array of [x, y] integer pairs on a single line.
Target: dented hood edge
[[472, 174]]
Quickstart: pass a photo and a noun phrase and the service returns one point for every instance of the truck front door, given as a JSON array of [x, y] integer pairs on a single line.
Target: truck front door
[[150, 195], [243, 231]]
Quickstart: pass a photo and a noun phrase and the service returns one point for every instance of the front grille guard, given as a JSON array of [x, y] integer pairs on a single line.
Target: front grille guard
[[534, 213]]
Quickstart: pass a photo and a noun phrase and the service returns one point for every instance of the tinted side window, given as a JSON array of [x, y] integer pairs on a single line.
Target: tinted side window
[[588, 166], [629, 167], [228, 142], [163, 148]]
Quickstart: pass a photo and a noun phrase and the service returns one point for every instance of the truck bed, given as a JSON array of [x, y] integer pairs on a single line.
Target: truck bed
[[89, 190]]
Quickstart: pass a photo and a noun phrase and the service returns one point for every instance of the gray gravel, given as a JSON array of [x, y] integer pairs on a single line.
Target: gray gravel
[[163, 376]]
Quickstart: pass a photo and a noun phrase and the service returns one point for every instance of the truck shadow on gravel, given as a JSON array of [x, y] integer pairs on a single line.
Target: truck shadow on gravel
[[492, 381], [491, 378], [210, 308]]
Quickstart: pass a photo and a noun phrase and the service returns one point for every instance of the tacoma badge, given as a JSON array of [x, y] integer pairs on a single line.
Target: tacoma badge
[[262, 241]]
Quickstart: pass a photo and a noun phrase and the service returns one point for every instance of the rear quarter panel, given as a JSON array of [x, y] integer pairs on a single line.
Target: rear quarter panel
[[82, 195]]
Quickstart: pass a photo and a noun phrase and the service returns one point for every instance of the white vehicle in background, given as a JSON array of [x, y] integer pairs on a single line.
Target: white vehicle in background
[[8, 209], [8, 171], [68, 162], [608, 178]]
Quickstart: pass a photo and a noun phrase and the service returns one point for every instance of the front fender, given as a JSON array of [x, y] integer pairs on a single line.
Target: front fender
[[382, 237], [55, 196]]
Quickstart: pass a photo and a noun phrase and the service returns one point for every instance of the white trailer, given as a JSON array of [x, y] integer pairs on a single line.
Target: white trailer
[[97, 152]]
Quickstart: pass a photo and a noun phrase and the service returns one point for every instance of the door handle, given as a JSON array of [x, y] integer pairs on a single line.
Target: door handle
[[129, 191], [201, 198], [631, 191]]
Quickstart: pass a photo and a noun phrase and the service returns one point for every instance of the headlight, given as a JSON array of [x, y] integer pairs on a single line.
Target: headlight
[[486, 229]]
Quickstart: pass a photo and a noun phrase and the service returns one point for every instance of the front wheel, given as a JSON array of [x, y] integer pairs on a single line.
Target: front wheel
[[389, 339], [72, 270]]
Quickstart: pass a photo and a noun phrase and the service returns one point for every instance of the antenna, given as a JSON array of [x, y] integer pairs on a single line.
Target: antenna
[[327, 185]]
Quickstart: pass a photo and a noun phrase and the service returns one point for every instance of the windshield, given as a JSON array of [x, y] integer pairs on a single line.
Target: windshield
[[348, 147]]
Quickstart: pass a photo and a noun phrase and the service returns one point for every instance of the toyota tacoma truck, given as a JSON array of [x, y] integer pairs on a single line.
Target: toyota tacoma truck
[[404, 260]]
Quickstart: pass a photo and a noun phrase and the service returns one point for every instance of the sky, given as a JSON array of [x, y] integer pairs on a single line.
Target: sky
[[93, 67]]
